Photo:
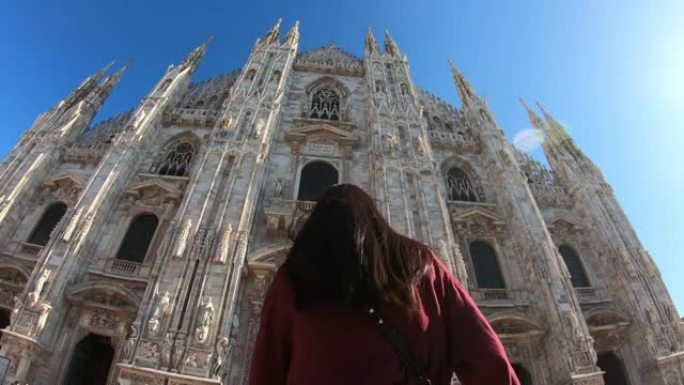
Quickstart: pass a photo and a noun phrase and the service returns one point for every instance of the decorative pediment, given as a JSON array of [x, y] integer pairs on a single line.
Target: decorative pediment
[[65, 181], [322, 137], [65, 187], [564, 224], [329, 60], [515, 325], [477, 220], [106, 295], [605, 318], [154, 192]]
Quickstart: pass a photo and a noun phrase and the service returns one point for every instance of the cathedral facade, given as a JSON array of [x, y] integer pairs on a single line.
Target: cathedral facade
[[138, 250]]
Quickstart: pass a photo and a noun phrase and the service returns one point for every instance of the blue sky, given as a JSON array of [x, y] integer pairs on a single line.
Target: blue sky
[[612, 71]]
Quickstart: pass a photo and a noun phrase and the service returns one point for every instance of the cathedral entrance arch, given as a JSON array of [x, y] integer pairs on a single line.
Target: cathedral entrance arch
[[613, 367], [90, 361]]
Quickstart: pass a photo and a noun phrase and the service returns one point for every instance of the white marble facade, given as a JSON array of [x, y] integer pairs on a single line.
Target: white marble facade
[[212, 174]]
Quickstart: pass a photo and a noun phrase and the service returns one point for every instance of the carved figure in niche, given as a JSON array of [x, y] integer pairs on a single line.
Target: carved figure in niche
[[43, 312], [575, 329], [15, 310], [183, 239], [160, 311], [166, 346], [420, 145], [149, 351], [191, 361], [224, 246], [390, 142], [205, 318], [278, 188], [460, 263], [34, 295], [130, 342], [258, 128], [223, 346]]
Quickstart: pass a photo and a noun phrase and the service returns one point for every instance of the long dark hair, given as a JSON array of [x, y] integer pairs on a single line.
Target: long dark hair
[[347, 250]]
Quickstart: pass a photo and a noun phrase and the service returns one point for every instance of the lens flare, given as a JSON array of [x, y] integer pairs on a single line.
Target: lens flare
[[528, 139]]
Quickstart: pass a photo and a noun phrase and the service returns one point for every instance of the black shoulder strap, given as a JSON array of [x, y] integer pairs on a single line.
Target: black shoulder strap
[[399, 347]]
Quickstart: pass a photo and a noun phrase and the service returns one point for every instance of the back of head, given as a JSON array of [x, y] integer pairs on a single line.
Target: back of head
[[347, 250]]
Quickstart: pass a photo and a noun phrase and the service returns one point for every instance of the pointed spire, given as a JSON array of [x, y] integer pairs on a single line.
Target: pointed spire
[[86, 86], [112, 80], [196, 55], [390, 46], [273, 35], [556, 132], [465, 90], [292, 37], [371, 46], [534, 118]]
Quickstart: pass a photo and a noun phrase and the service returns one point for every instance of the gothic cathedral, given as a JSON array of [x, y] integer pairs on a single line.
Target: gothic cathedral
[[138, 250]]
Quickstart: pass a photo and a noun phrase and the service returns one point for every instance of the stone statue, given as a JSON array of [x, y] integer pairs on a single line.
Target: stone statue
[[420, 144], [162, 309], [130, 342], [166, 346], [43, 313], [390, 142], [182, 239], [223, 346], [34, 295], [278, 188], [224, 246], [206, 316]]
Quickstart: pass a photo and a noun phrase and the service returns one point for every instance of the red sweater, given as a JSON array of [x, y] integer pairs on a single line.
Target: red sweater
[[339, 344]]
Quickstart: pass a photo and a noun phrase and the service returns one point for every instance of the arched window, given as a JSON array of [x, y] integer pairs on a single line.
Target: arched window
[[41, 233], [315, 178], [325, 104], [613, 367], [138, 238], [459, 186], [574, 265], [404, 89], [176, 162], [486, 266], [379, 86]]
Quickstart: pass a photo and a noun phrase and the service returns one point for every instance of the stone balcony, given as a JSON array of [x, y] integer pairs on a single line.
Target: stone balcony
[[120, 268], [589, 294], [191, 117], [550, 195], [282, 214], [500, 297], [85, 152], [452, 141]]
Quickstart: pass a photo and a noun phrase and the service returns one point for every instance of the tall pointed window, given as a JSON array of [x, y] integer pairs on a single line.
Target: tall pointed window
[[486, 266], [177, 160], [315, 178], [138, 238], [325, 104], [577, 274], [459, 186], [41, 233]]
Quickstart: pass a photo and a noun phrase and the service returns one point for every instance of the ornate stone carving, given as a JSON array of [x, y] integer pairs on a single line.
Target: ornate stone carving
[[182, 239], [38, 285], [329, 59], [206, 317], [224, 245]]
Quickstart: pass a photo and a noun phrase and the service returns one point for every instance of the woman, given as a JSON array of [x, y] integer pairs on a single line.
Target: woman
[[357, 303]]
